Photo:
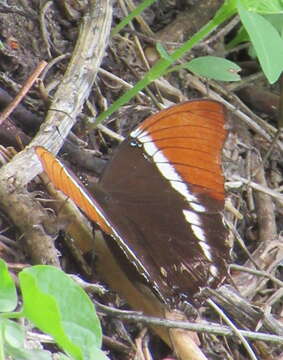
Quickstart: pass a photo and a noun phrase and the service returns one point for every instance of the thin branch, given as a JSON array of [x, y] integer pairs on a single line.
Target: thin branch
[[202, 327], [24, 90]]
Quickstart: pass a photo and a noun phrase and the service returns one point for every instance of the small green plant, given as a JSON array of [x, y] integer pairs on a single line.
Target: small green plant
[[56, 305], [258, 28]]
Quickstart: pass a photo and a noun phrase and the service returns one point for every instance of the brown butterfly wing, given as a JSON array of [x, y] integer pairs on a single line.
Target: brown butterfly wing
[[166, 197]]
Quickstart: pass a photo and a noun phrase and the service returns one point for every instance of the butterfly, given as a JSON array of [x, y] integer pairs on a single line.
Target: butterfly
[[160, 200]]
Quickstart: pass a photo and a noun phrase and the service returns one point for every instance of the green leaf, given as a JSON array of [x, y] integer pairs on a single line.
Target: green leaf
[[14, 337], [59, 307], [264, 6], [266, 41], [214, 68], [8, 297]]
